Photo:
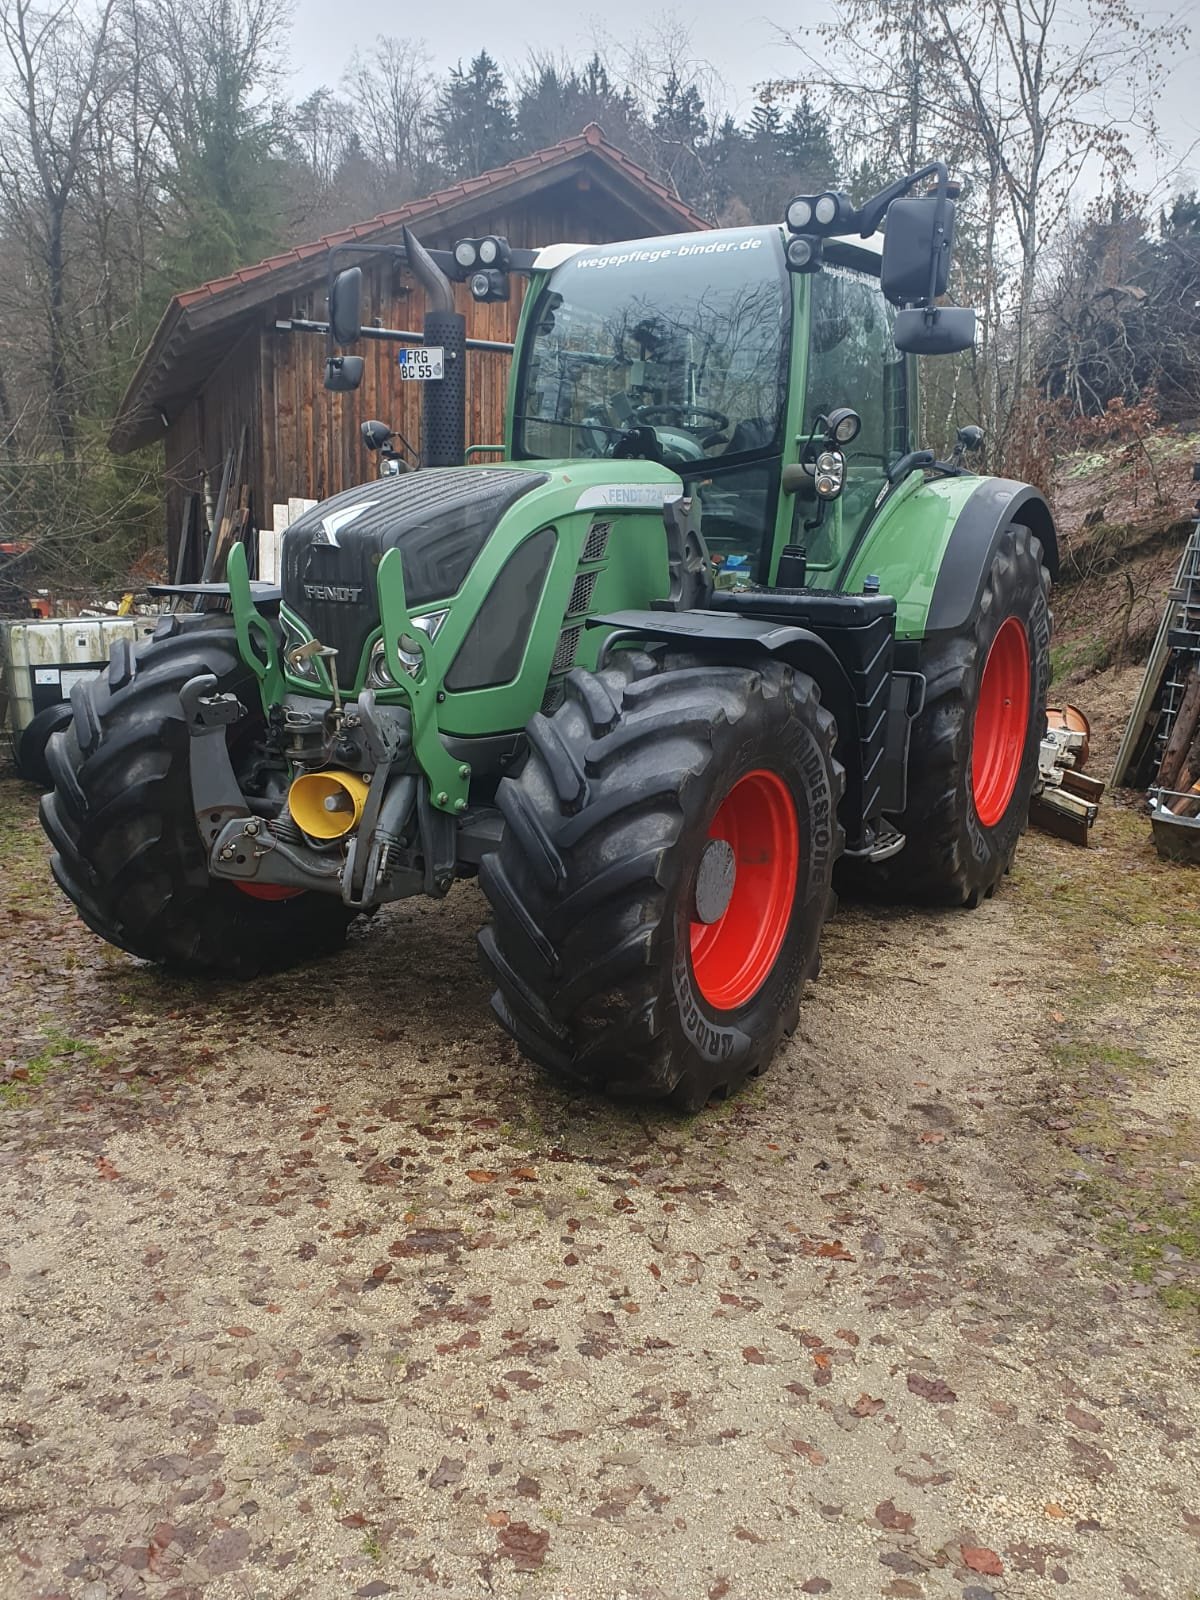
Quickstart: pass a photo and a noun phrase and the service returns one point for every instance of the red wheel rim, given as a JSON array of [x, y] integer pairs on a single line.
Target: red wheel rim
[[1001, 722], [732, 957], [268, 891]]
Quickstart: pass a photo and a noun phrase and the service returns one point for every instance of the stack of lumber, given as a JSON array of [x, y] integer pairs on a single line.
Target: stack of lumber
[[1178, 780]]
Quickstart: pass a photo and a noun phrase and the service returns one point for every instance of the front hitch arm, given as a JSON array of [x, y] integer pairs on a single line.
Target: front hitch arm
[[449, 780], [217, 798]]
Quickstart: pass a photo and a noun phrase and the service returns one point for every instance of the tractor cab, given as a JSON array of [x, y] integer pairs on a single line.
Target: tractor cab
[[706, 354]]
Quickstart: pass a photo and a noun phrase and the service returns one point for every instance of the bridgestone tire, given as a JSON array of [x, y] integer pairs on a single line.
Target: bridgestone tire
[[120, 818], [594, 886], [953, 857]]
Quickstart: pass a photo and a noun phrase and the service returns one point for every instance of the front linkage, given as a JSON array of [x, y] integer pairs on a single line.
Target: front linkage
[[378, 774]]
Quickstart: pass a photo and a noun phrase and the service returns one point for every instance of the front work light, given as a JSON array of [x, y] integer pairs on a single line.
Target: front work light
[[803, 253], [799, 214], [491, 252], [489, 284], [830, 212], [843, 425]]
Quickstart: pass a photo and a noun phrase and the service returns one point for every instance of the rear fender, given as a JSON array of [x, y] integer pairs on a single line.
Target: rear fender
[[932, 548]]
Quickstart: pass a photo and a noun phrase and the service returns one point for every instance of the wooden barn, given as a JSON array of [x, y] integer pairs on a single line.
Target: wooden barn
[[219, 372]]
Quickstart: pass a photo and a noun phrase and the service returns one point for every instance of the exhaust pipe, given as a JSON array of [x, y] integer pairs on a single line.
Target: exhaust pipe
[[444, 414], [327, 805]]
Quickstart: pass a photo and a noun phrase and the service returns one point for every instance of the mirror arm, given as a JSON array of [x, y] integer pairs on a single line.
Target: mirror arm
[[915, 460], [872, 213]]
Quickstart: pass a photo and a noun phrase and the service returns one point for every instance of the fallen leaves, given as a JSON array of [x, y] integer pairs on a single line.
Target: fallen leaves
[[834, 1250], [106, 1170], [866, 1406], [810, 1453], [754, 1356], [1084, 1420], [447, 1473], [1091, 1460], [935, 1390], [524, 1546], [888, 1515], [481, 1176], [980, 1559]]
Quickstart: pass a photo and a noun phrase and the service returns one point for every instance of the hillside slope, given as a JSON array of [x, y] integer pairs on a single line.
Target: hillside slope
[[1124, 514]]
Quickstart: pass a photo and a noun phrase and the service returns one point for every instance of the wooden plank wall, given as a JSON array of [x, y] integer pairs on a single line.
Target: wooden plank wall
[[311, 437], [210, 427], [305, 441]]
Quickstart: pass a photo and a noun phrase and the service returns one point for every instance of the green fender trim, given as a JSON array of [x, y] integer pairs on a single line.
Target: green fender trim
[[905, 544], [449, 780], [256, 637], [931, 546]]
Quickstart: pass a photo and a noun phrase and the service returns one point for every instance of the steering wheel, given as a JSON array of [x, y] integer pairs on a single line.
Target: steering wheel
[[673, 416]]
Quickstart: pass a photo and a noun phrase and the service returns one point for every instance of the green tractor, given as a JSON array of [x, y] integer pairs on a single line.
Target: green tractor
[[712, 625]]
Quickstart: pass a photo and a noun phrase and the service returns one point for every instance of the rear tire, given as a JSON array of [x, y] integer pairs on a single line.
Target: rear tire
[[120, 817], [973, 756], [617, 963]]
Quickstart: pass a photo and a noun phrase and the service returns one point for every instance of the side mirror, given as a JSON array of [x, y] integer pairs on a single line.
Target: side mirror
[[345, 306], [343, 373], [916, 249], [938, 331]]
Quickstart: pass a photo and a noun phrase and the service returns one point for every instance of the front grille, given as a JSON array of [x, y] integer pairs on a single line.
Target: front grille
[[581, 593], [597, 541], [564, 655], [553, 698]]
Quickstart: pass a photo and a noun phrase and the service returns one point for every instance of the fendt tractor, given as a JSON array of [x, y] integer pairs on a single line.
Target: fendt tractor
[[712, 624]]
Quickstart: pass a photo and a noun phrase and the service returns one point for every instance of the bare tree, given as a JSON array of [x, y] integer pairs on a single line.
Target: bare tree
[[62, 73], [391, 103], [1028, 96]]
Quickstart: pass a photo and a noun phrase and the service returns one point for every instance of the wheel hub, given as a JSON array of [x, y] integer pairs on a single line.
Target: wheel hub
[[745, 889], [714, 881]]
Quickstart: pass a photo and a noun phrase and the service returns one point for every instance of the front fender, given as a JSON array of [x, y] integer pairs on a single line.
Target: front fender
[[932, 547]]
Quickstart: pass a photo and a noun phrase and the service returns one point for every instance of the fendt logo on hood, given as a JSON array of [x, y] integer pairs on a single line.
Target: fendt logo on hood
[[345, 592]]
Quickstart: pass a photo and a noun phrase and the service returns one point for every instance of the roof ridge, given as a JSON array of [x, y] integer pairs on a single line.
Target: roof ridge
[[592, 137]]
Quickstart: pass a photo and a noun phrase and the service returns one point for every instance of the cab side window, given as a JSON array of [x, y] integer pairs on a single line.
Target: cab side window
[[853, 362]]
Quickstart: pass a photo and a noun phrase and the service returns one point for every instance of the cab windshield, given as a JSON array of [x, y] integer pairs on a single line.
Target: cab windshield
[[687, 335]]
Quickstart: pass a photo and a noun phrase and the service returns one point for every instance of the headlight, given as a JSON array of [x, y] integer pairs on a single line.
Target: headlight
[[379, 674], [294, 640]]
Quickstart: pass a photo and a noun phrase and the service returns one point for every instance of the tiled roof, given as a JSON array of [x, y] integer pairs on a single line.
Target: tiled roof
[[466, 189]]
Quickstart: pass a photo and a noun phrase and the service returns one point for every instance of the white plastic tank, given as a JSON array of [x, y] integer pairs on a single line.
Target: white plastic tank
[[43, 660]]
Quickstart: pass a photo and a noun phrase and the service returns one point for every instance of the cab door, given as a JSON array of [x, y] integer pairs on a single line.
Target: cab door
[[848, 359]]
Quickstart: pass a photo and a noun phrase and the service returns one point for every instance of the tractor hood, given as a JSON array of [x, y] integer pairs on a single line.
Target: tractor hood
[[439, 520]]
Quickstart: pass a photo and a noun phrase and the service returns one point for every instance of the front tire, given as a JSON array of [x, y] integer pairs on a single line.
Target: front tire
[[973, 756], [127, 850], [664, 874]]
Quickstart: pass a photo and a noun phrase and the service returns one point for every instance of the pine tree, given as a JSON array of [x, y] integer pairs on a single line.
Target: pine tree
[[474, 118]]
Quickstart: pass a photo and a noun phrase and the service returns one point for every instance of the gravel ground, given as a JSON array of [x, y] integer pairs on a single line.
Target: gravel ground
[[312, 1288]]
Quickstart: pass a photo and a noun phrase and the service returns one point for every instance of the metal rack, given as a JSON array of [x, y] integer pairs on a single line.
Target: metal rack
[[1174, 809]]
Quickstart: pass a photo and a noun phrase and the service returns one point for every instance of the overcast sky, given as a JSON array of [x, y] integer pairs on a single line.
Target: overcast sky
[[323, 37]]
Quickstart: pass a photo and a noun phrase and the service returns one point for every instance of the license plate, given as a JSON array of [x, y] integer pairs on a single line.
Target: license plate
[[421, 363]]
